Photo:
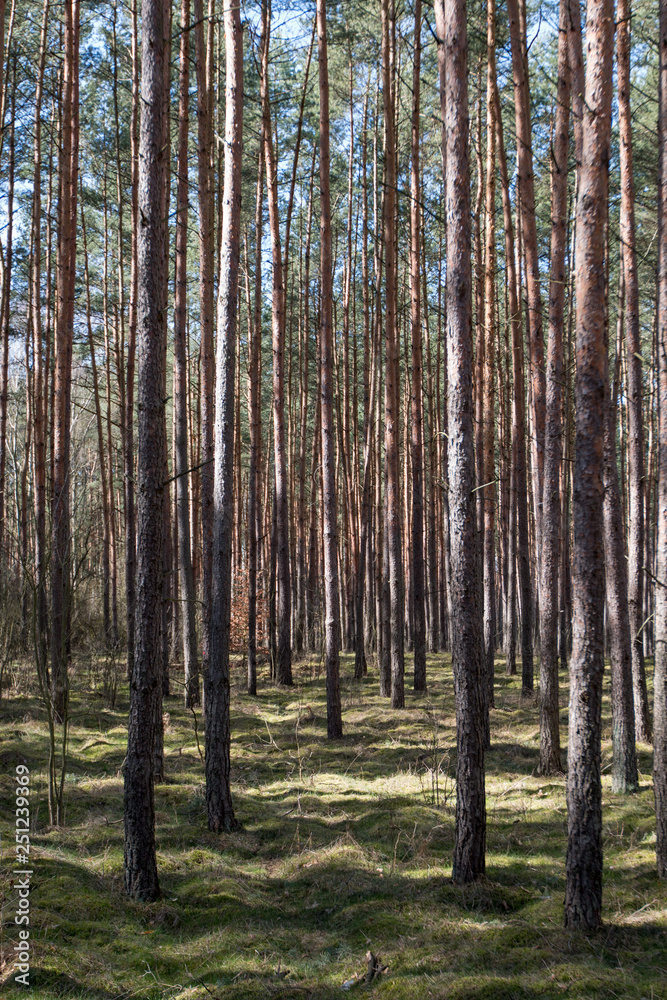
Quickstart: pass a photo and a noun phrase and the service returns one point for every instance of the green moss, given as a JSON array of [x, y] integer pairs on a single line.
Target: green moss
[[341, 847]]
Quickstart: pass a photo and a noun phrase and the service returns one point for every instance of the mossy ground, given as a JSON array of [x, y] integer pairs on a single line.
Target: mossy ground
[[342, 847]]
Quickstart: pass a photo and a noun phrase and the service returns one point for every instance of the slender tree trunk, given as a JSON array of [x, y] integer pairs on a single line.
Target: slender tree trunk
[[206, 195], [100, 444], [254, 420], [25, 468], [549, 709], [39, 415], [112, 631], [518, 421], [5, 321], [470, 833], [660, 675], [392, 417], [583, 897], [635, 408], [331, 595], [624, 777], [418, 596], [118, 316], [181, 455], [141, 879], [60, 540], [218, 792], [526, 194], [284, 614], [128, 457], [489, 333], [434, 475]]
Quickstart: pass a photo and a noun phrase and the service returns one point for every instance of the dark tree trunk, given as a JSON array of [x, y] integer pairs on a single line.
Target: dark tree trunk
[[470, 835], [392, 416], [39, 414], [526, 198], [583, 898], [549, 709], [181, 451], [635, 410], [624, 758], [141, 879], [418, 596], [520, 495], [488, 493], [60, 532], [660, 675], [331, 594], [128, 456], [283, 590], [206, 194], [255, 422]]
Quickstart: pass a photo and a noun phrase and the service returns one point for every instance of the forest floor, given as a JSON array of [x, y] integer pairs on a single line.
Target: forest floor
[[343, 848]]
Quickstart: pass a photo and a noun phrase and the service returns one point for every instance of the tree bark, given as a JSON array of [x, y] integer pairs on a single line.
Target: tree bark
[[549, 709], [526, 194], [331, 593], [283, 597], [518, 421], [206, 195], [635, 409], [660, 675], [66, 266], [181, 459], [470, 833], [392, 417], [583, 897], [488, 482], [255, 422], [624, 776], [39, 414], [141, 878], [416, 443], [128, 457], [218, 792]]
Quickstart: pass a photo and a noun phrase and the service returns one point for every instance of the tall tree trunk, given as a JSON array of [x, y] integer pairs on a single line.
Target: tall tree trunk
[[128, 457], [470, 833], [583, 898], [302, 611], [549, 709], [434, 475], [206, 195], [39, 415], [112, 633], [331, 594], [418, 596], [518, 420], [392, 417], [60, 539], [100, 442], [526, 194], [283, 597], [141, 879], [218, 792], [489, 333], [255, 423], [635, 409], [5, 314], [624, 777], [660, 675], [181, 451]]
